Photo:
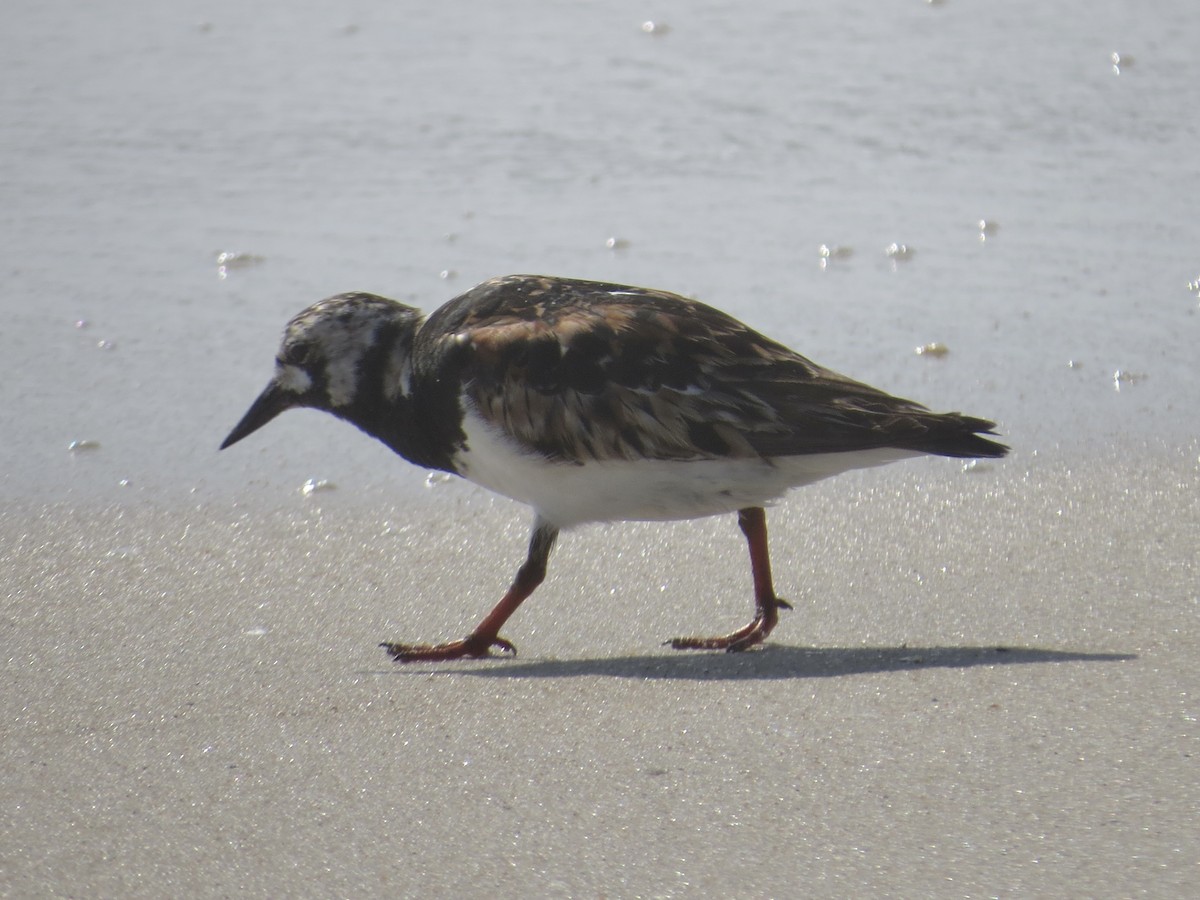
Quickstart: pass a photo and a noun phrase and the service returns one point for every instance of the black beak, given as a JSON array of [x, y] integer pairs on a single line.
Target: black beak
[[270, 403]]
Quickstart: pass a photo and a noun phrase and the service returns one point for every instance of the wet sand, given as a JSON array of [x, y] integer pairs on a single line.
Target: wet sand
[[987, 687]]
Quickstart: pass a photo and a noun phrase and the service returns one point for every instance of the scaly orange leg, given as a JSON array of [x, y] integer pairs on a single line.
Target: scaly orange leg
[[753, 522], [487, 633]]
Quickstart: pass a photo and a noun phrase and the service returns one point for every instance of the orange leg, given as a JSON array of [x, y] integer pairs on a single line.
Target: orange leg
[[487, 633], [753, 522]]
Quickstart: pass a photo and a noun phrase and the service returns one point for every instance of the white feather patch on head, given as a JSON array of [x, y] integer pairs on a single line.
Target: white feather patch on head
[[294, 379], [343, 342], [333, 338], [341, 378]]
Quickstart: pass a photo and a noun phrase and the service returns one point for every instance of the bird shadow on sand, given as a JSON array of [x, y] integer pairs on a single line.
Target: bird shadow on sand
[[773, 662]]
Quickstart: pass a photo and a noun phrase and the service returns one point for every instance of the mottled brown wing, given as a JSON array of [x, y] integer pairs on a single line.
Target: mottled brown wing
[[580, 371]]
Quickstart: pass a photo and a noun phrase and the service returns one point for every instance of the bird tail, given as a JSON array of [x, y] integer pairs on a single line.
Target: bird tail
[[958, 436]]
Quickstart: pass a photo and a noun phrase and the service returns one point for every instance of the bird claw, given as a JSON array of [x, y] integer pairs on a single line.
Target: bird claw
[[743, 639], [730, 643], [473, 647]]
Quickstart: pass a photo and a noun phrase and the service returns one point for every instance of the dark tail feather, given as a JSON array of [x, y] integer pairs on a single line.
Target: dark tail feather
[[960, 437]]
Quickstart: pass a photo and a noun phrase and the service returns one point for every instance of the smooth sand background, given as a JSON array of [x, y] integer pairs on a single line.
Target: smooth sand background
[[195, 704], [988, 686]]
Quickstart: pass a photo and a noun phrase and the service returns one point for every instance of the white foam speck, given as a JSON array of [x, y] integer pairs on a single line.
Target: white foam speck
[[313, 485]]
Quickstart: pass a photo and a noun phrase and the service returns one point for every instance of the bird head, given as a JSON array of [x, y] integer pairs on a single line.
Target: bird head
[[337, 355]]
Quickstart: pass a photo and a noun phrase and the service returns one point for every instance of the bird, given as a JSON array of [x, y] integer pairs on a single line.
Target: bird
[[596, 402]]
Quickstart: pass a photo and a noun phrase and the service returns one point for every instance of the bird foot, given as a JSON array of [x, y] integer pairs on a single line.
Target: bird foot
[[744, 638], [474, 647]]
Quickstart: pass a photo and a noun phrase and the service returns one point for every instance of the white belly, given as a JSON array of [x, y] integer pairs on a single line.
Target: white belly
[[566, 494]]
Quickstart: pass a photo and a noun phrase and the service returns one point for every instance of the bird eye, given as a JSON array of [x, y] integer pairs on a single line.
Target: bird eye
[[298, 354]]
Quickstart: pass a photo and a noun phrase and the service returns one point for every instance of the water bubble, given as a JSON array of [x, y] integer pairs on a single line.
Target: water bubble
[[1120, 61], [827, 253], [656, 28], [433, 479], [616, 243], [236, 259], [228, 260], [935, 349], [1122, 376], [76, 446], [313, 485]]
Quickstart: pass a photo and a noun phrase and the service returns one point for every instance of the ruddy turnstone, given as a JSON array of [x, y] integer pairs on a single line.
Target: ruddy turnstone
[[597, 402]]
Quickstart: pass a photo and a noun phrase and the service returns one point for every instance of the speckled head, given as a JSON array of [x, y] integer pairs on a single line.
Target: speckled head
[[333, 354]]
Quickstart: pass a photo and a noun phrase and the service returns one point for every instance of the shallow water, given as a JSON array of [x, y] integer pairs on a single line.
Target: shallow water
[[384, 148]]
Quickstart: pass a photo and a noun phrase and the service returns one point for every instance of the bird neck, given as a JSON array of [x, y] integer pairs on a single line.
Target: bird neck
[[411, 426]]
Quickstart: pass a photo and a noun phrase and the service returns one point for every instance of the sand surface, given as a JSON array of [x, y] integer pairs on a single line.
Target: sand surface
[[1002, 703]]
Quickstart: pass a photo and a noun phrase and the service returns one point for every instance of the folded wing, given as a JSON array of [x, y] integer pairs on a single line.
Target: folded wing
[[579, 371]]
